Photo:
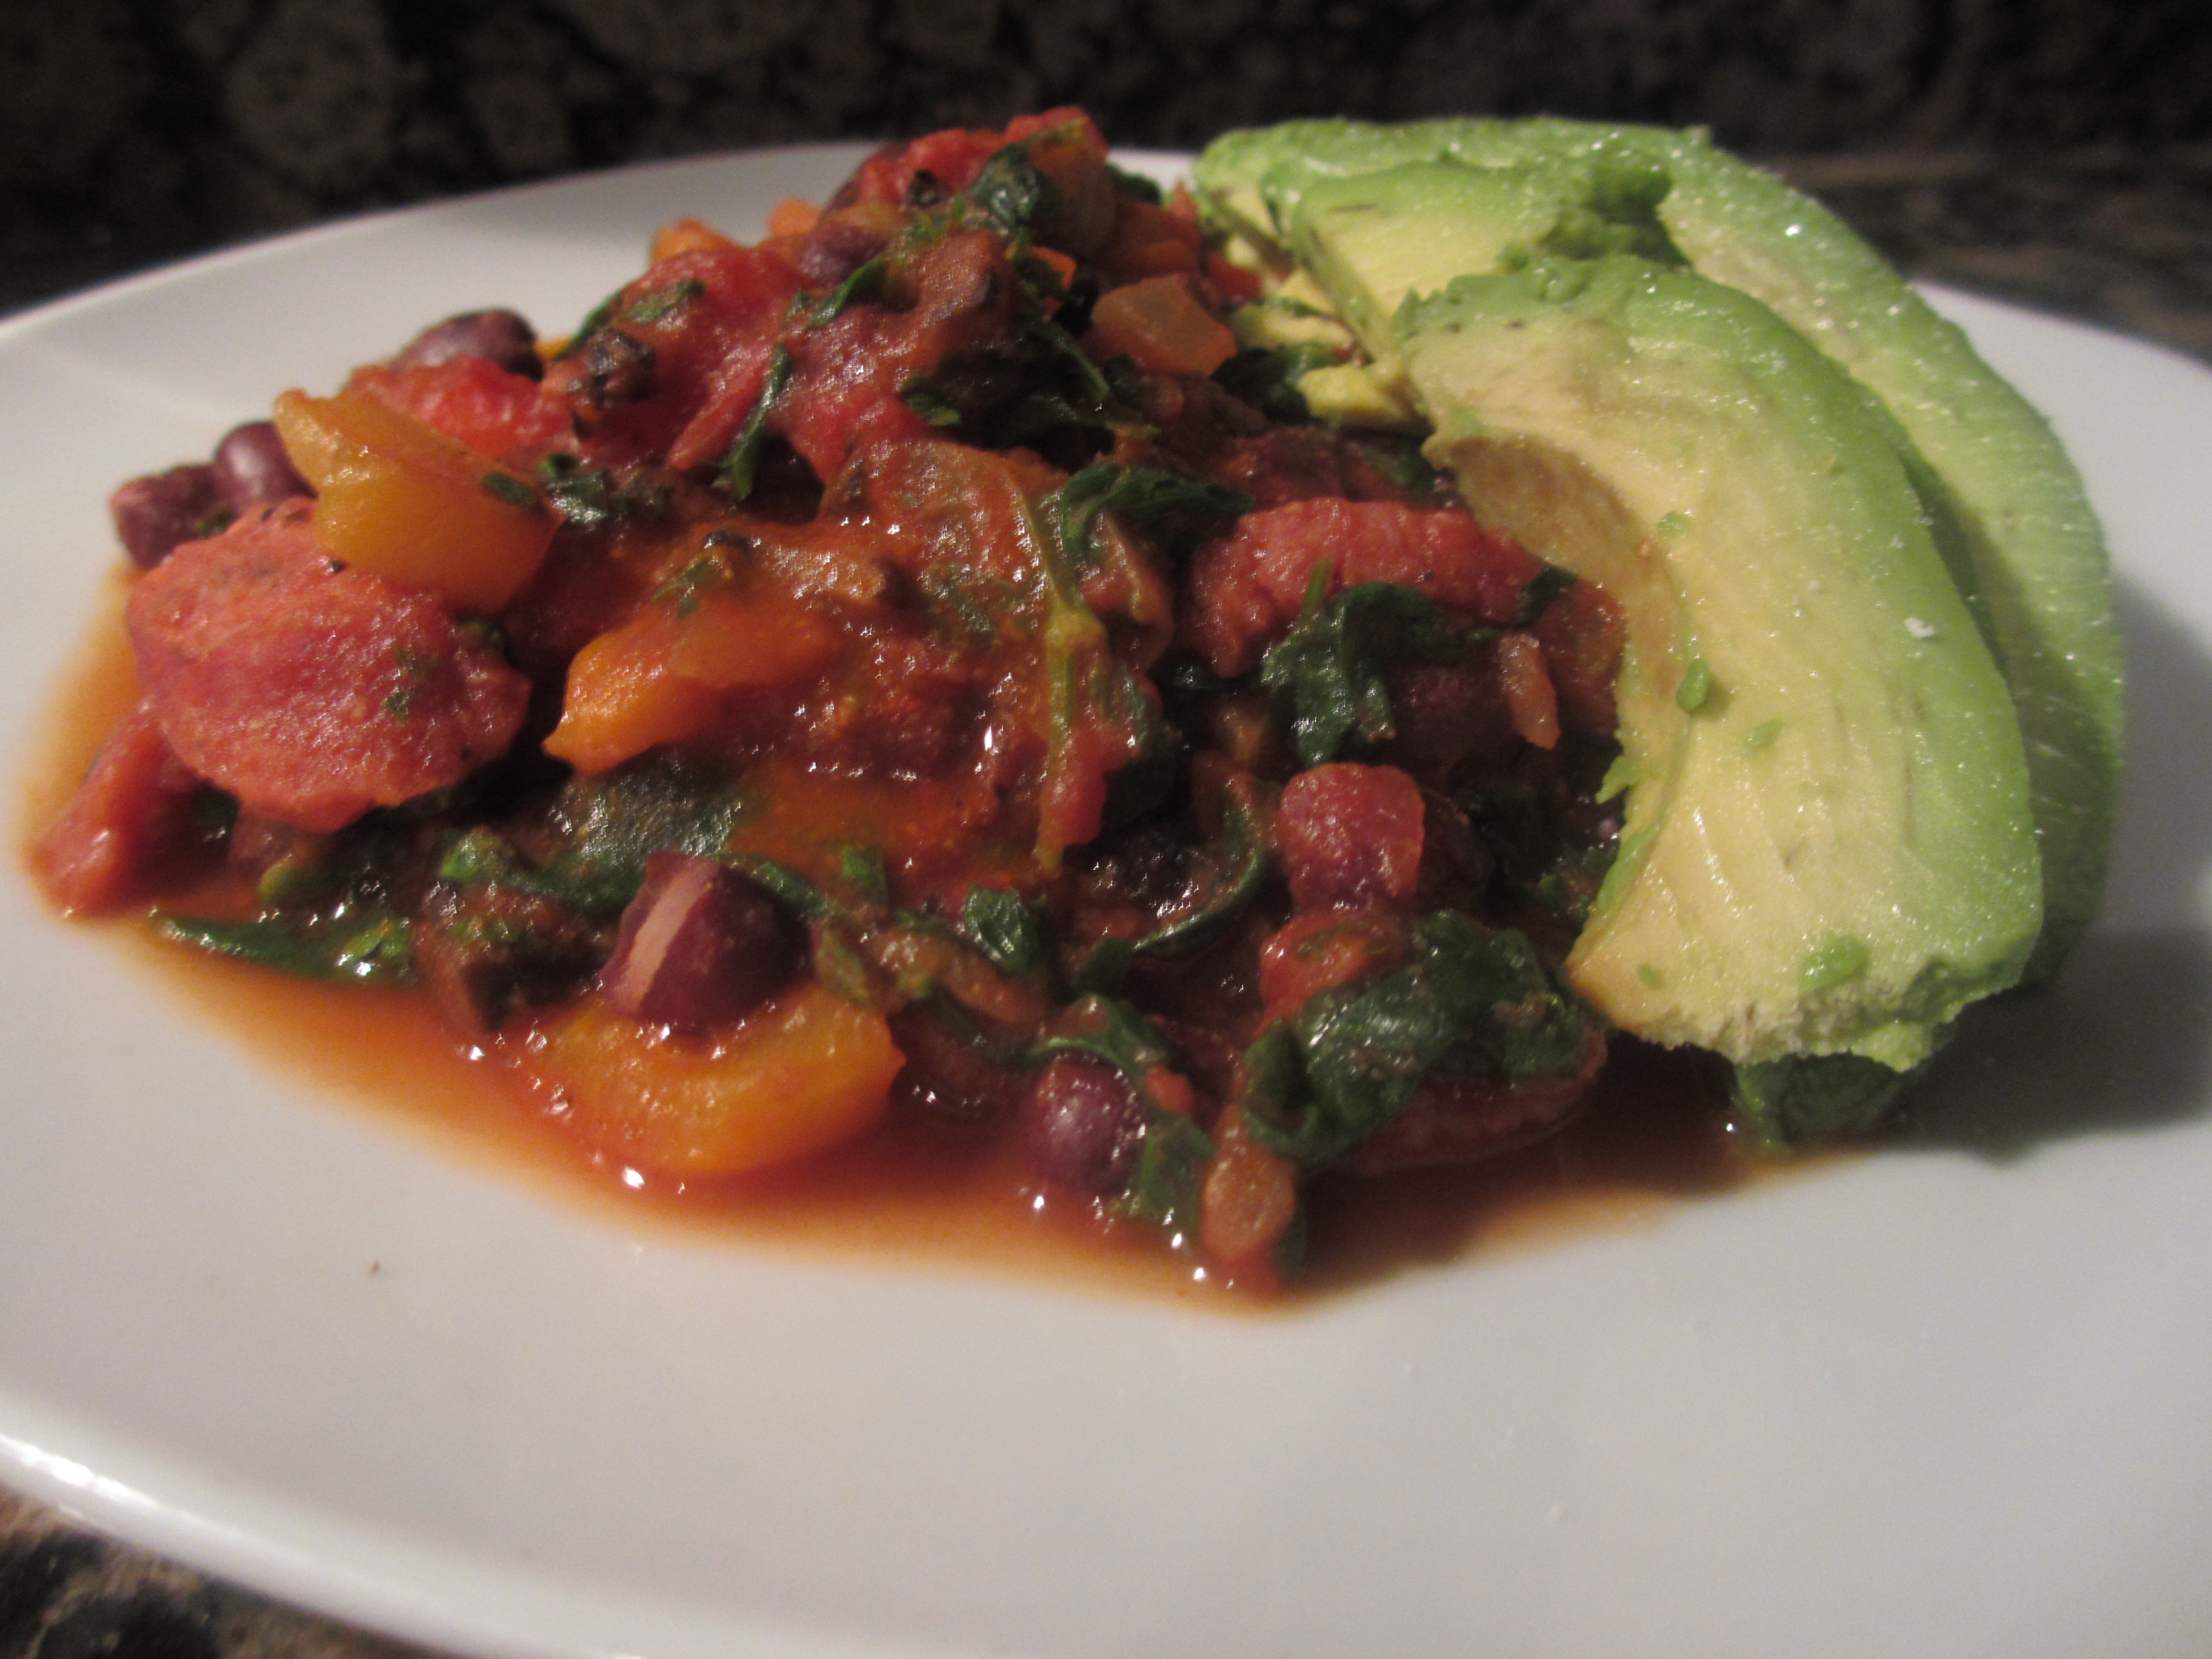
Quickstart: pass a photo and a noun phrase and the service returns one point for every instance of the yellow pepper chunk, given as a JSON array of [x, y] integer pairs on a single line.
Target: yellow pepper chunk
[[404, 502]]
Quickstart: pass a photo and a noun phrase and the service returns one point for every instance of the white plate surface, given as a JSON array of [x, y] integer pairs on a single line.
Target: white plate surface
[[1949, 1400]]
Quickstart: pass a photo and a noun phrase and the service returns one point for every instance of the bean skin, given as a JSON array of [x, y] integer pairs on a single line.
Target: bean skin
[[253, 470], [500, 337], [1082, 1126], [161, 512], [702, 945]]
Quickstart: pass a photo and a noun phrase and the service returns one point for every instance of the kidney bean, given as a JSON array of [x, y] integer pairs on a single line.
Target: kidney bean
[[700, 945], [1082, 1125], [500, 337], [253, 470], [947, 1079], [157, 513]]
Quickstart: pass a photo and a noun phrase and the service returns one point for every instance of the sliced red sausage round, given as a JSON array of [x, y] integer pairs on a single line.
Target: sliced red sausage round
[[310, 690]]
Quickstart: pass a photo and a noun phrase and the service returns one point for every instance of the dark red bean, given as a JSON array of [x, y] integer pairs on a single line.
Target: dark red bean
[[499, 337], [700, 945], [947, 1079], [1454, 866], [160, 513], [253, 470], [1082, 1126]]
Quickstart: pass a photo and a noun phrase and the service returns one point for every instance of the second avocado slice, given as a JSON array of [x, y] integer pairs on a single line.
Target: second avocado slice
[[1828, 847]]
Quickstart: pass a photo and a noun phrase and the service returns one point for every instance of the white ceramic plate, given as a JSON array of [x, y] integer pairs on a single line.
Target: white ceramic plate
[[1948, 1400]]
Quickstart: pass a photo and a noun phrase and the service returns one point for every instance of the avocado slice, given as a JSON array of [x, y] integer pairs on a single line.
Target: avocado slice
[[1378, 212], [1828, 847]]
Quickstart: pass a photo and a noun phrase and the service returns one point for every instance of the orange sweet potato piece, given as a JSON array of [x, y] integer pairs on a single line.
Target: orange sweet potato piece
[[808, 1070]]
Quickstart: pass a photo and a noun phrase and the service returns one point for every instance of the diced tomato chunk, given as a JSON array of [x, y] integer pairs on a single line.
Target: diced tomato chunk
[[131, 821], [1248, 586], [1349, 834], [474, 401], [308, 689], [683, 358], [952, 158], [1318, 951], [849, 370]]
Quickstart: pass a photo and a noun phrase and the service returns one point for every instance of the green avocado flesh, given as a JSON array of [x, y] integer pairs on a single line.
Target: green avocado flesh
[[1827, 847], [1378, 214]]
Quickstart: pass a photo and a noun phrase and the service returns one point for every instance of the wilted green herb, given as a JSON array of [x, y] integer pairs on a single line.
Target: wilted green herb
[[651, 307], [512, 490], [1266, 377], [1328, 669], [1468, 998], [740, 467]]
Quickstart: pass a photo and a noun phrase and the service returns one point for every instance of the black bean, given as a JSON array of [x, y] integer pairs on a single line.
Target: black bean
[[700, 945], [499, 337], [157, 513], [253, 470], [1082, 1125]]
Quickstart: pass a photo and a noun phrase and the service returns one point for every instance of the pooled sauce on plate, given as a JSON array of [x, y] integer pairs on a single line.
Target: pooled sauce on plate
[[1649, 1137]]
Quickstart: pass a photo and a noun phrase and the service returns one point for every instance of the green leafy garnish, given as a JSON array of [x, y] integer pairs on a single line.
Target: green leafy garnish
[[513, 490], [613, 820], [1469, 999], [683, 591], [1235, 869], [1328, 669], [866, 283], [595, 319], [922, 397], [371, 951], [740, 469], [1266, 377], [1010, 194], [651, 307], [1004, 929], [589, 496]]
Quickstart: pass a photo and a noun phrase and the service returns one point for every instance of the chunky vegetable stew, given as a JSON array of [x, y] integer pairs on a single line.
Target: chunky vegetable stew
[[933, 663]]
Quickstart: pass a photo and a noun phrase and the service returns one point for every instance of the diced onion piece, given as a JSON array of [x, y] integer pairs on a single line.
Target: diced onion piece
[[403, 501], [805, 1072]]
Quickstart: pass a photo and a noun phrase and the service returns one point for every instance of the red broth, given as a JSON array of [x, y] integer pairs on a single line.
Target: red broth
[[1650, 1138]]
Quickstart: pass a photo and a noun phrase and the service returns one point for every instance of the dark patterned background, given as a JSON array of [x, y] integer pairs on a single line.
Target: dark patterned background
[[131, 131]]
